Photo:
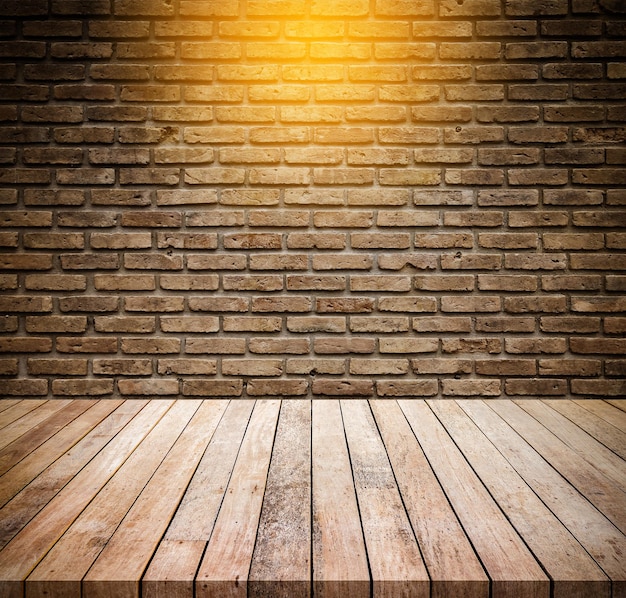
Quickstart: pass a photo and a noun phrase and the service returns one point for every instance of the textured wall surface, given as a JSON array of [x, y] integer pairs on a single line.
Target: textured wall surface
[[312, 198]]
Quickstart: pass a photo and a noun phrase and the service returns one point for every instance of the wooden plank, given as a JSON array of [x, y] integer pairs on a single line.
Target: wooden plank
[[29, 546], [38, 434], [595, 453], [173, 568], [571, 569], [340, 566], [143, 527], [513, 570], [65, 565], [602, 540], [6, 403], [28, 421], [200, 506], [281, 562], [608, 434], [598, 489], [224, 569], [32, 465], [454, 569], [172, 571], [619, 403], [34, 496], [603, 409], [18, 410], [396, 565]]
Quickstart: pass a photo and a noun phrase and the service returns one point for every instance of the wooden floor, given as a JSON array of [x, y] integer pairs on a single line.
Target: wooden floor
[[341, 499]]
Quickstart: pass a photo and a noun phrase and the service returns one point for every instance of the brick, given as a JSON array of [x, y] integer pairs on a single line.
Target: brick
[[378, 367], [330, 346], [188, 367], [535, 346], [156, 387], [57, 367], [508, 240], [315, 366], [25, 388], [122, 367], [581, 325], [408, 345], [556, 304], [343, 387], [407, 388], [68, 344], [215, 346], [471, 345], [444, 283], [536, 387], [449, 8], [614, 388], [276, 346], [87, 387], [32, 304], [284, 388], [152, 346], [252, 367], [569, 367], [383, 325], [314, 324], [472, 388], [506, 367], [63, 324], [442, 324], [213, 388], [509, 324]]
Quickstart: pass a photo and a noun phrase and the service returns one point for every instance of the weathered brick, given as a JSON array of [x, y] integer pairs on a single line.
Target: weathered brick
[[213, 388], [536, 387], [344, 387], [471, 345], [407, 388], [442, 324], [283, 388], [152, 387], [469, 388]]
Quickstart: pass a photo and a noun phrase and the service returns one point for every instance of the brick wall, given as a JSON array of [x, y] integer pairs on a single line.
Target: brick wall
[[312, 198]]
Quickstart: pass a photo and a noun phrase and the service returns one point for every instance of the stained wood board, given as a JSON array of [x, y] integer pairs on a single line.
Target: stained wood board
[[455, 570], [281, 562], [572, 570], [18, 410], [593, 452], [143, 527], [604, 432], [602, 540], [18, 477], [6, 403], [598, 489], [172, 570], [62, 569], [41, 490], [510, 565], [29, 546], [340, 567], [29, 421], [29, 441], [396, 565], [224, 569], [605, 410]]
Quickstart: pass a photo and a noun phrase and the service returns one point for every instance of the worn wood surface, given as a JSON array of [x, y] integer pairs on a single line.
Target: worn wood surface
[[339, 498]]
